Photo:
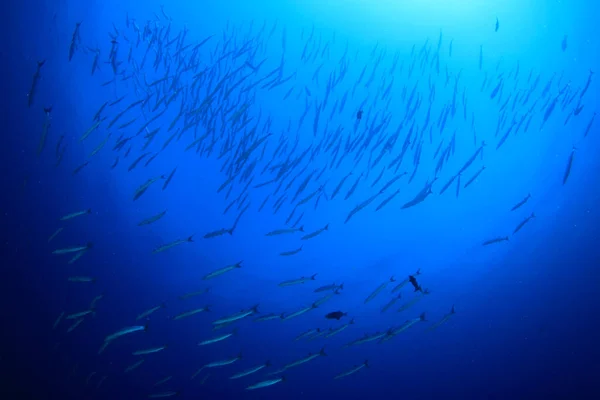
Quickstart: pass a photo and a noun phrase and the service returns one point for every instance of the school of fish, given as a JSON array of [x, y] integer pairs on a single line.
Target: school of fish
[[204, 97]]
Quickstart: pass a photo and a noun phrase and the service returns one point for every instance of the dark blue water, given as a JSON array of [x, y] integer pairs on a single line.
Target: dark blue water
[[261, 103]]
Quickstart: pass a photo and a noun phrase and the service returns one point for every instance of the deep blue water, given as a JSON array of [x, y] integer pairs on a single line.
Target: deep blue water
[[526, 316]]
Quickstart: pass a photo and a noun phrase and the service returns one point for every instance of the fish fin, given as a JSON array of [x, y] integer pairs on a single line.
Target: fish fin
[[422, 317], [322, 352]]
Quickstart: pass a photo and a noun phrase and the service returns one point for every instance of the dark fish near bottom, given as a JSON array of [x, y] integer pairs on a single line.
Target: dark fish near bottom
[[336, 315]]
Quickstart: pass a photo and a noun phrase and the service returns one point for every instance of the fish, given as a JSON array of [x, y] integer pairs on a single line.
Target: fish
[[569, 166], [379, 289], [56, 232], [126, 331], [80, 314], [267, 383], [405, 281], [193, 294], [189, 313], [299, 312], [335, 315], [34, 83], [220, 232], [237, 316], [74, 249], [315, 233], [391, 333], [413, 281], [335, 331], [172, 244], [152, 219], [251, 370], [150, 311], [354, 370], [327, 288], [285, 231], [142, 189], [58, 319], [222, 363], [391, 302], [291, 252], [76, 214], [521, 203], [444, 319], [163, 380], [81, 279], [163, 395], [222, 271], [168, 180], [297, 281], [522, 223], [151, 350], [217, 338], [496, 240], [133, 366]]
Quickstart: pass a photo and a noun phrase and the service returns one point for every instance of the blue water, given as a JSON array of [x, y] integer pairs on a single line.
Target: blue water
[[526, 316]]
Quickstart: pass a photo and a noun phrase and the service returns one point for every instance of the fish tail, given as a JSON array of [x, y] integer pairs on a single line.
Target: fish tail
[[422, 317], [190, 238], [322, 352]]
